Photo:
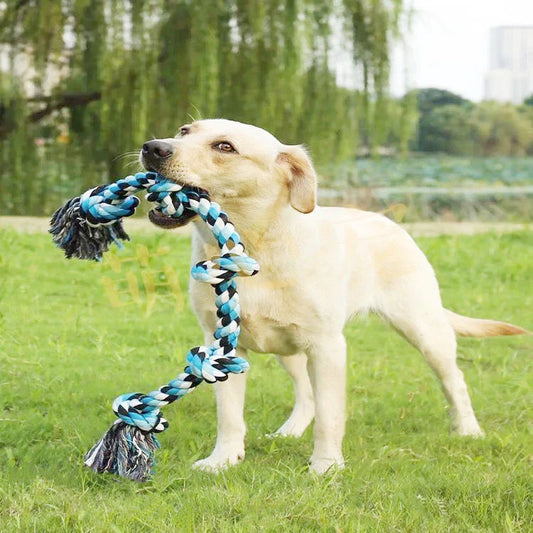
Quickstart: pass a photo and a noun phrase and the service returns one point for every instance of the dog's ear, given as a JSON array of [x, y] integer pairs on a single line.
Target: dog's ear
[[302, 177]]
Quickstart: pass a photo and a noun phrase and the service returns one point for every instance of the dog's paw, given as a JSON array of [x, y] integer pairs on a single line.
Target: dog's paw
[[474, 432], [468, 428], [297, 423], [217, 462], [293, 427], [323, 465], [286, 431]]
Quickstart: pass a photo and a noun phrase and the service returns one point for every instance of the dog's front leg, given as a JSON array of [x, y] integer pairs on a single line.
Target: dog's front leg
[[229, 447], [327, 370]]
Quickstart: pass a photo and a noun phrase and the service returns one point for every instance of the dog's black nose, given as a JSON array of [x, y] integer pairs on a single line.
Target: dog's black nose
[[154, 151]]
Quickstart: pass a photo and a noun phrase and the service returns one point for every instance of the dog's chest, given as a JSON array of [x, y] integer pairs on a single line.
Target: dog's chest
[[276, 308], [272, 318]]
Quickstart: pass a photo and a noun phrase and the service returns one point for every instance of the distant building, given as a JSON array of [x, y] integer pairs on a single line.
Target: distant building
[[510, 75]]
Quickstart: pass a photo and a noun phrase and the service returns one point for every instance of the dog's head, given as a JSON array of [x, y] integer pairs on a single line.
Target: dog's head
[[235, 163]]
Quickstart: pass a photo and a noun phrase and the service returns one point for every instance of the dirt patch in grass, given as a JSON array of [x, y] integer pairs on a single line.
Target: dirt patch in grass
[[418, 229]]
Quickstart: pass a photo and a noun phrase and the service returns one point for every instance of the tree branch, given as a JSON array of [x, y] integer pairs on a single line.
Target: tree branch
[[53, 103]]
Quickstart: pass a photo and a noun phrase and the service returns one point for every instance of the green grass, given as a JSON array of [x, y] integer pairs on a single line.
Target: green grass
[[65, 353]]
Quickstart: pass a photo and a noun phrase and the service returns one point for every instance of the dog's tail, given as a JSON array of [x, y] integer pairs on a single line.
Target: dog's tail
[[479, 327]]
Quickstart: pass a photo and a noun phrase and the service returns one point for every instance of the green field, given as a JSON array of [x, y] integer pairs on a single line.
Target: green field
[[66, 352]]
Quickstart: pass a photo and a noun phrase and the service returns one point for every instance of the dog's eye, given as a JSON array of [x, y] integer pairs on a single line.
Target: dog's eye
[[184, 130], [224, 147]]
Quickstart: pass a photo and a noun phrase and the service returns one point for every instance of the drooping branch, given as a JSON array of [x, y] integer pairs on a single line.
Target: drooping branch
[[53, 103]]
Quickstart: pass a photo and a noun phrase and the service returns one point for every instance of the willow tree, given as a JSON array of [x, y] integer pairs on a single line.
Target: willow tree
[[107, 74]]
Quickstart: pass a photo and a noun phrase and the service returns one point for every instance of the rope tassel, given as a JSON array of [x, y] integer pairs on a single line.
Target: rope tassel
[[84, 228]]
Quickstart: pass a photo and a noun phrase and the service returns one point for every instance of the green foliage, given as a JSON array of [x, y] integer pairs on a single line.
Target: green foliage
[[529, 100], [441, 120], [65, 353], [445, 129], [450, 124], [140, 69], [501, 129], [429, 99]]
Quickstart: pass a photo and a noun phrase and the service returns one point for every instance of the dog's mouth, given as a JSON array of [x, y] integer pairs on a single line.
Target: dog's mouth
[[167, 222], [157, 217], [182, 180]]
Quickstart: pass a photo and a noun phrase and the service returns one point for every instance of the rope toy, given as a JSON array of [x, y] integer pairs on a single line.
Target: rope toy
[[85, 227]]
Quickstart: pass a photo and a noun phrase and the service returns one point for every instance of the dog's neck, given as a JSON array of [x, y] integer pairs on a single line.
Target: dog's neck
[[258, 221]]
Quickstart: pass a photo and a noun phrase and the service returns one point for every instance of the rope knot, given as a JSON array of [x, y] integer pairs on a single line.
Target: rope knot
[[212, 364], [131, 409], [101, 210], [240, 263], [224, 268]]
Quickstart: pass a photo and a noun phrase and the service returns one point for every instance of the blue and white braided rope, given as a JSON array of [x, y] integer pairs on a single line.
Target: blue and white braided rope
[[104, 206]]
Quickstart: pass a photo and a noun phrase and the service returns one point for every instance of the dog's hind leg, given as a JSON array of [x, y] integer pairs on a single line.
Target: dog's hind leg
[[304, 405], [420, 317]]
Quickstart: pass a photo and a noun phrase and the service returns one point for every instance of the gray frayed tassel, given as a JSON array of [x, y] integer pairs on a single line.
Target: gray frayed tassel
[[125, 451], [73, 232]]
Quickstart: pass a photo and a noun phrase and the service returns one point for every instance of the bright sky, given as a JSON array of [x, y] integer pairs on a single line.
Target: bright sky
[[449, 44]]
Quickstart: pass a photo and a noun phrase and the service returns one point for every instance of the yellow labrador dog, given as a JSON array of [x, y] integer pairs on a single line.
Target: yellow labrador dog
[[319, 267]]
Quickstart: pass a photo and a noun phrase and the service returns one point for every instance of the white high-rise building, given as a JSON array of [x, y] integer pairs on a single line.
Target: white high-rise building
[[510, 75]]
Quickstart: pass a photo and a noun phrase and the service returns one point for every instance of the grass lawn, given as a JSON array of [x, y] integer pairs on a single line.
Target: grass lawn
[[66, 352]]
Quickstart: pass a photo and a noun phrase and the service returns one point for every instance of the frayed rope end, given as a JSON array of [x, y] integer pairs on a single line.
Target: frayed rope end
[[125, 451], [72, 232]]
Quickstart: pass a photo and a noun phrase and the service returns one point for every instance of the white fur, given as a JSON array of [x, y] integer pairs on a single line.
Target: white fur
[[317, 270]]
